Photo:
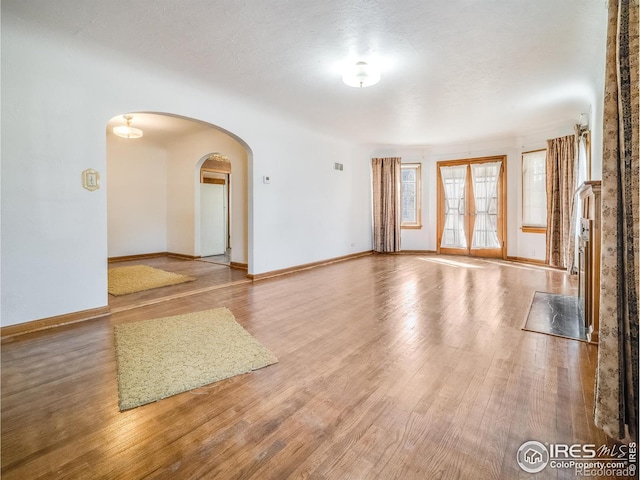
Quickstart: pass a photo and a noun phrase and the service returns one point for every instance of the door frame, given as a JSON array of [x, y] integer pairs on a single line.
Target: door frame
[[213, 218], [502, 205], [227, 184]]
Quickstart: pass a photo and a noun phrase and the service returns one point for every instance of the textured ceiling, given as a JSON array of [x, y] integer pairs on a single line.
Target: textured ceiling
[[452, 70]]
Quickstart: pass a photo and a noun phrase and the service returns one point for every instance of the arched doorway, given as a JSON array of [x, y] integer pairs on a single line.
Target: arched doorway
[[153, 194], [215, 209]]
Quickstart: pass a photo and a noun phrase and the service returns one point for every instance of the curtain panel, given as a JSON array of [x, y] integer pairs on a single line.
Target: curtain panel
[[386, 204], [561, 188], [616, 400]]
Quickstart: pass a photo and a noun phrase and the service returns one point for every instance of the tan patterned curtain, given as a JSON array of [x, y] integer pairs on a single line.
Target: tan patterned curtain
[[561, 186], [386, 204], [616, 405]]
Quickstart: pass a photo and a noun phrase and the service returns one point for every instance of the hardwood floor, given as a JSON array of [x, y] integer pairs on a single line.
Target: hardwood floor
[[391, 367], [208, 276]]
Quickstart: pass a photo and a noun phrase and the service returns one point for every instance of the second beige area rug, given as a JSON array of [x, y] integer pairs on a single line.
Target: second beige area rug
[[138, 278], [165, 356]]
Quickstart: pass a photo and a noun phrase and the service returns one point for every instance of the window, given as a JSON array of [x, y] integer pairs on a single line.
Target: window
[[534, 191], [583, 175], [411, 195]]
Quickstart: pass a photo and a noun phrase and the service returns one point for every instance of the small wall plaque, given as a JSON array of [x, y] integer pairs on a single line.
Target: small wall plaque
[[91, 179]]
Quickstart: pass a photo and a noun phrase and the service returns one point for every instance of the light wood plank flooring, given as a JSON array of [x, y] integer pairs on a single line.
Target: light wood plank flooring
[[208, 276], [391, 367]]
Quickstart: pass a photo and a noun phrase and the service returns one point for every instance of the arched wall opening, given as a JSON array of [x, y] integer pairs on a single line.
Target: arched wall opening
[[215, 188], [153, 194]]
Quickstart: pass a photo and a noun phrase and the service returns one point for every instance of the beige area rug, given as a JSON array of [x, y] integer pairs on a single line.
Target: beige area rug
[[165, 356], [137, 278]]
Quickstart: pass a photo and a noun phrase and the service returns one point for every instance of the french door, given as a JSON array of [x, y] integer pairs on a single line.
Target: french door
[[471, 207]]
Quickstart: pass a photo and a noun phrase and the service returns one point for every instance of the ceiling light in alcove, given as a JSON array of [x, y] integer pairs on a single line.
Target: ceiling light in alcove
[[127, 131], [216, 157], [361, 74]]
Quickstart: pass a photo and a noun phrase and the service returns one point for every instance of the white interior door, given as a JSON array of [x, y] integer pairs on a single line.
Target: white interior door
[[212, 220]]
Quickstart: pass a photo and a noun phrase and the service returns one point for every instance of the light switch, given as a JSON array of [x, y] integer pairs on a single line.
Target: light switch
[[266, 179], [90, 179]]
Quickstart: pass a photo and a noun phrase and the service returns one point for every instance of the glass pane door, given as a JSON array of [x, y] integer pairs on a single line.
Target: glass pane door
[[471, 209], [454, 181], [485, 196]]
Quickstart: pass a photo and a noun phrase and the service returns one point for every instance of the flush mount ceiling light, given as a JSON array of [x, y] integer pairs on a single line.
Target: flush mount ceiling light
[[127, 131], [361, 74]]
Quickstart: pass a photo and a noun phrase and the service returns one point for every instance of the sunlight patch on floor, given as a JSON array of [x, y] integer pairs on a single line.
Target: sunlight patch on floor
[[520, 266], [450, 263]]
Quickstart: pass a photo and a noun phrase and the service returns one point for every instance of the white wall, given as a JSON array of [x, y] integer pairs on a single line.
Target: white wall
[[136, 196], [519, 244], [309, 211], [56, 262], [596, 126], [186, 156]]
